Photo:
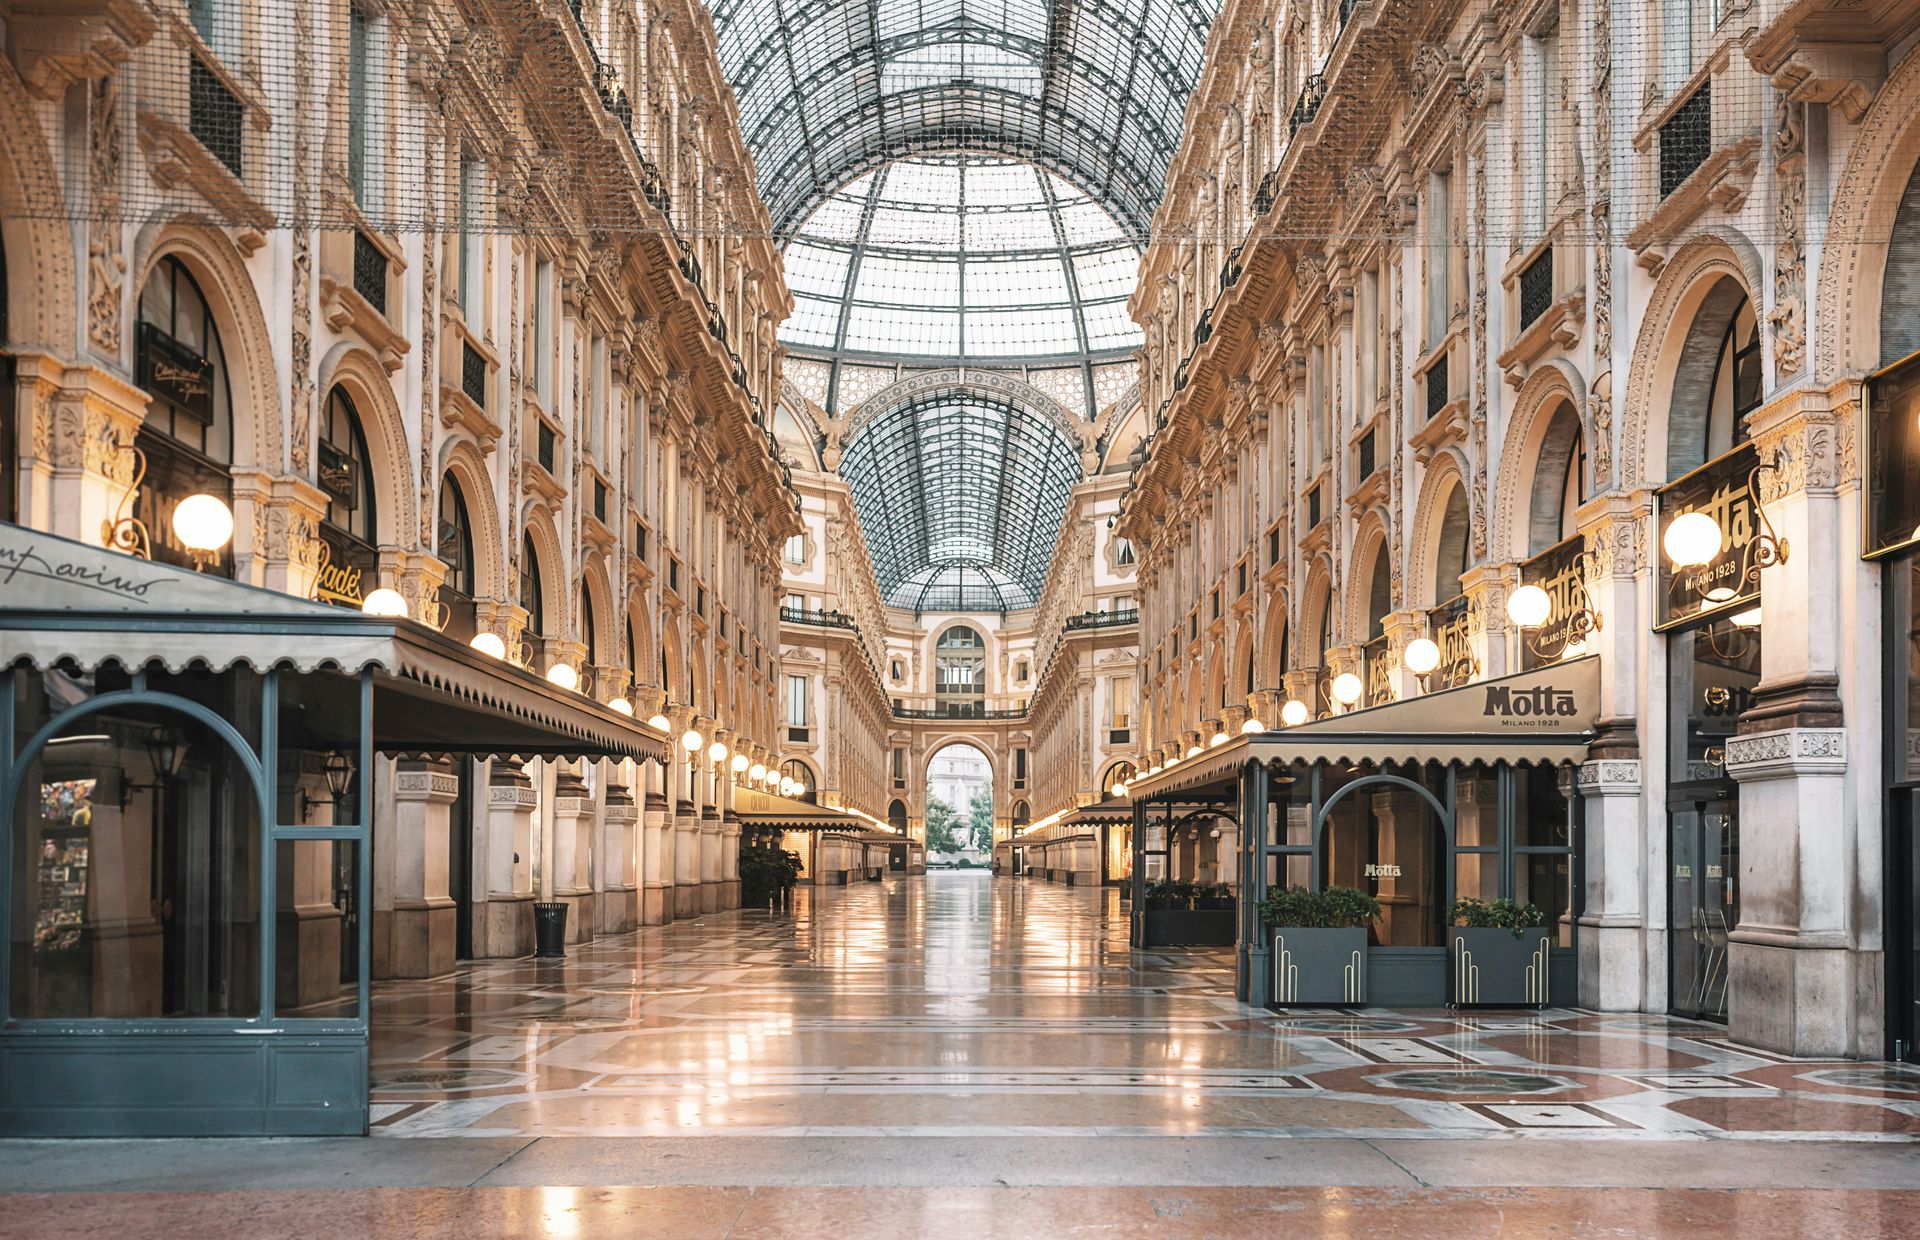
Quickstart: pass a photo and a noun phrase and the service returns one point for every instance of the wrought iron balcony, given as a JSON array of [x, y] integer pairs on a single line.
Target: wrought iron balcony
[[824, 619], [1103, 619]]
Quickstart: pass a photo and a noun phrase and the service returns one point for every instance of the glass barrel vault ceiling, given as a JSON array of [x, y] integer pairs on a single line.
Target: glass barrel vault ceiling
[[960, 498], [1095, 89], [971, 257]]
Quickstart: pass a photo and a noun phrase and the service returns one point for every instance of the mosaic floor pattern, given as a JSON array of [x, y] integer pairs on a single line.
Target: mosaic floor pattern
[[959, 1004]]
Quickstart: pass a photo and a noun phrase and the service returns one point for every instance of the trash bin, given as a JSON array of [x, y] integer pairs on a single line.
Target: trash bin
[[549, 930]]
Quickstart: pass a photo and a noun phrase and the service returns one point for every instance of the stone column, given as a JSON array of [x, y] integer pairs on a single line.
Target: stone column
[[686, 825], [276, 522], [76, 426], [656, 857], [1795, 982], [1487, 587], [421, 930], [573, 851], [710, 859], [619, 898], [505, 927], [730, 860], [1402, 627]]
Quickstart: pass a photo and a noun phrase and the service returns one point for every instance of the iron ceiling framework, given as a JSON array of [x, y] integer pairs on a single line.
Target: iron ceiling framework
[[1094, 89], [961, 496]]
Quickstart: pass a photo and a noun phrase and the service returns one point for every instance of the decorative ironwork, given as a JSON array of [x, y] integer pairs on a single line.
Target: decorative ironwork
[[370, 272], [124, 531], [956, 710], [215, 116], [1363, 454], [599, 501], [545, 447], [823, 619], [1536, 288], [473, 374], [1307, 106], [1103, 619], [1686, 138], [1436, 380]]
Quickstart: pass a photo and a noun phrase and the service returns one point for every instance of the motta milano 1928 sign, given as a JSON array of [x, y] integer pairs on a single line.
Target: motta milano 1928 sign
[[1719, 489]]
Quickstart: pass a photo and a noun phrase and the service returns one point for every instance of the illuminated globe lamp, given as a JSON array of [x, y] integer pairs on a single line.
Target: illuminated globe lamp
[[1294, 713], [562, 676], [1120, 789], [385, 603], [1218, 738], [739, 763], [621, 705], [1529, 607], [659, 723], [1252, 725], [757, 773], [1193, 751], [1347, 688], [717, 751], [1421, 656], [692, 741], [204, 525], [1692, 540], [489, 644]]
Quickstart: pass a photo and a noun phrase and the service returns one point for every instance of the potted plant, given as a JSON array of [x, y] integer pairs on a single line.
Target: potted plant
[[1499, 951], [1199, 914], [1319, 944], [767, 877]]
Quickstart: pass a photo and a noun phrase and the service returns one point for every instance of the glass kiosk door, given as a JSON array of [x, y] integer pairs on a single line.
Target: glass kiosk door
[[1704, 906]]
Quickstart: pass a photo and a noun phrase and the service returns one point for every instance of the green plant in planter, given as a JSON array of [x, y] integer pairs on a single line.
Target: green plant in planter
[[1336, 908], [1500, 914], [766, 873]]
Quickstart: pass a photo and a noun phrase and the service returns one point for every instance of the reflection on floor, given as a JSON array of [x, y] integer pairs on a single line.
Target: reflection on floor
[[959, 1004]]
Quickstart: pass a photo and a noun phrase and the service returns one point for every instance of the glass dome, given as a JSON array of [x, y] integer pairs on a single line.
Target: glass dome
[[960, 587], [961, 256]]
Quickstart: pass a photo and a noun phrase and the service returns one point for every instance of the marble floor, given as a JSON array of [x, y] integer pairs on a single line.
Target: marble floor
[[962, 1005], [962, 1056]]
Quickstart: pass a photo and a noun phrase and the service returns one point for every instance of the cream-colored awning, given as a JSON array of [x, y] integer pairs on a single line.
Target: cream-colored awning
[[768, 809], [1546, 715], [63, 600]]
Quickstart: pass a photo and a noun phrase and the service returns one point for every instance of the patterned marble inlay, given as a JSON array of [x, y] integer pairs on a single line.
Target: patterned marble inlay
[[959, 1004]]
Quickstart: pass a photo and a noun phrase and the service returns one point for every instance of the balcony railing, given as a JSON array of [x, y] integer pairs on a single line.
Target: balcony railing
[[1686, 139], [824, 619], [1307, 106], [1536, 288], [1103, 619], [473, 374], [544, 448], [370, 272], [1436, 384], [956, 710], [214, 115]]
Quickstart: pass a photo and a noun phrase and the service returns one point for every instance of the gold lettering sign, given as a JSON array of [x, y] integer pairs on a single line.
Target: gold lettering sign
[[1558, 571], [1449, 627], [336, 583], [1720, 491]]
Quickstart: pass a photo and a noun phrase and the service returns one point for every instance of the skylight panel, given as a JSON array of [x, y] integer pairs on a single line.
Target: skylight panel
[[917, 332], [1022, 333], [1017, 282], [908, 281], [1108, 326], [1106, 273]]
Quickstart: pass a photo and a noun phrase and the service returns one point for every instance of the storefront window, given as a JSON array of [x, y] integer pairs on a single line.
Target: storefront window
[[1893, 437], [530, 594], [1543, 845], [1385, 838], [136, 873], [1712, 673]]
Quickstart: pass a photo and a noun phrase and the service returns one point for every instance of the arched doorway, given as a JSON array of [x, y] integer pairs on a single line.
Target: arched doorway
[[959, 818]]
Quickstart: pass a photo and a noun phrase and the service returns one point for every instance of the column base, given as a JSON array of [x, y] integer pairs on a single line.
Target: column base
[[619, 910], [503, 929], [580, 906], [730, 894], [422, 940], [686, 900], [1791, 1000], [656, 904], [710, 897], [1611, 975]]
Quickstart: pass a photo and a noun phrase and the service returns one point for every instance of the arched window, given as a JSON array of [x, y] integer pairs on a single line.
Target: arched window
[[1380, 593], [187, 436], [587, 628], [1118, 773], [1736, 383], [530, 593], [344, 470], [800, 773], [454, 543], [1450, 551], [960, 672], [1559, 481]]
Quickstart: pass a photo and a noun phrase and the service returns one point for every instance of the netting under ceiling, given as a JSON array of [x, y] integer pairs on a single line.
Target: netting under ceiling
[[831, 88], [947, 257], [960, 497]]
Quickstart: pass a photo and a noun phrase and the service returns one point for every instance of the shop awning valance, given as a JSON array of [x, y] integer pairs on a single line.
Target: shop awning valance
[[767, 809], [1542, 716], [63, 600]]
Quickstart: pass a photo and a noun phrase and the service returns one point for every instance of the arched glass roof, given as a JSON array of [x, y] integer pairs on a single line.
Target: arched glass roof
[[829, 89], [957, 256], [960, 497]]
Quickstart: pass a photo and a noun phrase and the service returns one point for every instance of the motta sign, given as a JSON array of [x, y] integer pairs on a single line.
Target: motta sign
[[1507, 702], [1378, 870], [1556, 571], [1720, 490]]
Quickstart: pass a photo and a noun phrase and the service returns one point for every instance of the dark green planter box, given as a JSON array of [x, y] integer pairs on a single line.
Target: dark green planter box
[[1315, 967], [1208, 927], [1494, 968]]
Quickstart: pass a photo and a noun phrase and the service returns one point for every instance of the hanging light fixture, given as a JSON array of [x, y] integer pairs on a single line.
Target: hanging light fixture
[[717, 751], [659, 723], [1294, 713], [1528, 607], [1347, 688], [691, 741], [757, 773], [204, 525], [739, 763]]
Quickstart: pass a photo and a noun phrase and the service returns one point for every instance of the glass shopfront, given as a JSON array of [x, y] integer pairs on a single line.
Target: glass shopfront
[[1893, 531]]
